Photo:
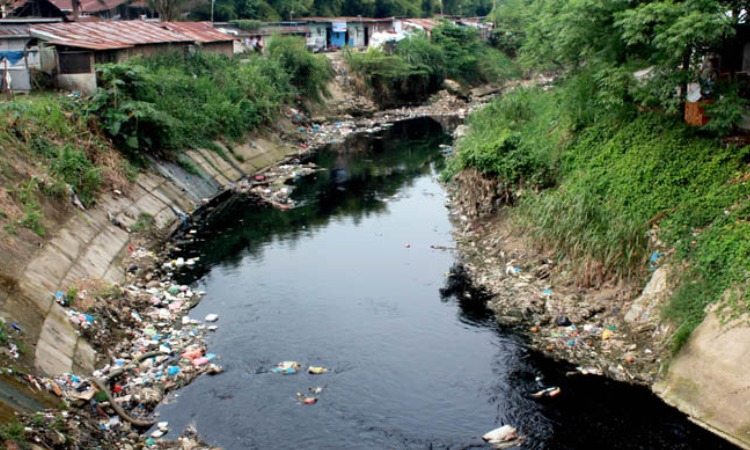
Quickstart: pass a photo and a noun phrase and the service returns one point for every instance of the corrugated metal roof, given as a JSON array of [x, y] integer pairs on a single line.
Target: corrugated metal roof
[[426, 24], [200, 32], [267, 31], [126, 34], [86, 7], [18, 31]]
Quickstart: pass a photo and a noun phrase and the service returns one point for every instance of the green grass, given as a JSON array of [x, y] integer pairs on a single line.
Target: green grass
[[418, 65], [14, 432], [144, 223], [599, 188], [168, 103], [516, 138]]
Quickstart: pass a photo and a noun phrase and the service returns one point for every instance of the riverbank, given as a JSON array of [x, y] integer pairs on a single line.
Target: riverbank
[[584, 327], [147, 312], [608, 245]]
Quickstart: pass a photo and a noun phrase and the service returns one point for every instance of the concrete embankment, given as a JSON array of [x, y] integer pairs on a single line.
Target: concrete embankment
[[91, 244]]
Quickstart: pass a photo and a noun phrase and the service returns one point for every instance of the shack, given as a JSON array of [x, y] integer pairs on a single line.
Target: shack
[[18, 55], [340, 32], [79, 46], [256, 39]]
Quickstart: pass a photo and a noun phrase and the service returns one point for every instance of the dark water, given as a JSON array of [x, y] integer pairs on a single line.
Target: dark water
[[352, 282]]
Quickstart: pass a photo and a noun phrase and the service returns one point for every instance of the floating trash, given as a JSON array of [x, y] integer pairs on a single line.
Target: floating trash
[[286, 367]]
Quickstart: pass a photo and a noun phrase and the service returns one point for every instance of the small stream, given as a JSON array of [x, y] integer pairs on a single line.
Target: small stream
[[360, 279]]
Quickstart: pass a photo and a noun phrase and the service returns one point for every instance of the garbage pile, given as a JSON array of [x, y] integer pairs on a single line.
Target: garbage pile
[[75, 429], [273, 186], [568, 323], [150, 345], [8, 334]]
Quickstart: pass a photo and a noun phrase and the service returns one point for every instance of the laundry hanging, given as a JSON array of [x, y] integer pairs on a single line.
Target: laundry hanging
[[12, 56]]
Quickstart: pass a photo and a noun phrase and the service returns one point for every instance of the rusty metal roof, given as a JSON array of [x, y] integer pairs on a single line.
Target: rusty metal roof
[[426, 24], [14, 31], [88, 6], [126, 34], [200, 32]]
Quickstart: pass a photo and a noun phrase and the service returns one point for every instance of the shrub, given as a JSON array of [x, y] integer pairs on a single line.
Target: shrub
[[391, 80], [169, 102], [308, 72]]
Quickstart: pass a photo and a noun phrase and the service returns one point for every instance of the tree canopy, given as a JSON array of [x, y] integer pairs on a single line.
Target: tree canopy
[[275, 10], [613, 39]]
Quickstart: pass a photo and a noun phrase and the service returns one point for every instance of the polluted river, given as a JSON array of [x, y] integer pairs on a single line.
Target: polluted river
[[361, 278]]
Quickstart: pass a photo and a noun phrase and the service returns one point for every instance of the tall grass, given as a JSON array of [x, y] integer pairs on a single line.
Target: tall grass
[[614, 188], [516, 139], [166, 103]]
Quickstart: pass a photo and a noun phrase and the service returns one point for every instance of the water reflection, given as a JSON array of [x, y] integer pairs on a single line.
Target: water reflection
[[417, 361], [351, 186]]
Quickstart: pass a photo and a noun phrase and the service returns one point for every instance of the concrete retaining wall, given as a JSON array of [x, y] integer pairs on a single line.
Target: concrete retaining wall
[[710, 377], [88, 245]]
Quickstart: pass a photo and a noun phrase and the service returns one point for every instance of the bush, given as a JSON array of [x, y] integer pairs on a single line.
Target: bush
[[391, 80], [614, 181], [166, 103], [308, 72], [515, 138]]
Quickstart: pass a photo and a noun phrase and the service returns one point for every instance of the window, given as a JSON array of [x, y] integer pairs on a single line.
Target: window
[[105, 57], [75, 62]]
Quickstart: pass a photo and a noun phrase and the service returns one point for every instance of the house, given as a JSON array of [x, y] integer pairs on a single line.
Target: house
[[344, 31], [79, 46], [14, 58], [87, 9], [257, 38]]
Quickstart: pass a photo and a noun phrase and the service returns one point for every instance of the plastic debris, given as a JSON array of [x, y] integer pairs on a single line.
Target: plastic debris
[[553, 391], [212, 318], [286, 367], [316, 370], [307, 399], [502, 434]]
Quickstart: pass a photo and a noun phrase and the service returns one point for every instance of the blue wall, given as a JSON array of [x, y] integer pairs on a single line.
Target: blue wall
[[338, 39]]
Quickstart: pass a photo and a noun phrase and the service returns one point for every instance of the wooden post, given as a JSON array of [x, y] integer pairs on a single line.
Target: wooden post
[[5, 78]]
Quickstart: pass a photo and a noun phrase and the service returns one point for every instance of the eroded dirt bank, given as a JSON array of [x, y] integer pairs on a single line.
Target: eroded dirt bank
[[606, 328]]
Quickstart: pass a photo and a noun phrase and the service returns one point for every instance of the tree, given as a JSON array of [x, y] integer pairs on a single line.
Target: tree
[[671, 34], [611, 39], [168, 10]]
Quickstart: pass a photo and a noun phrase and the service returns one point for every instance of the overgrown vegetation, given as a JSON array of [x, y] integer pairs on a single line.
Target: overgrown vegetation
[[166, 103], [417, 66], [608, 176], [276, 10], [74, 161], [153, 106], [13, 432]]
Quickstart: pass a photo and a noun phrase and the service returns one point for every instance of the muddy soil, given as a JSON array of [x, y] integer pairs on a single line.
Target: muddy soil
[[537, 294]]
